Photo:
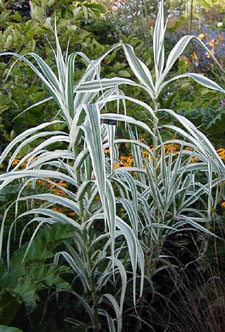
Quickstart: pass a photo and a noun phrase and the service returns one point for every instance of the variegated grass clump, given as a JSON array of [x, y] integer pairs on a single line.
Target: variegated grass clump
[[121, 215]]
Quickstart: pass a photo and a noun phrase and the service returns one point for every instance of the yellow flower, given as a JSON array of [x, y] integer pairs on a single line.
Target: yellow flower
[[194, 159], [221, 153], [188, 148], [129, 161], [201, 36], [171, 148], [62, 183], [194, 56], [107, 151], [220, 38], [126, 161], [123, 159], [146, 155]]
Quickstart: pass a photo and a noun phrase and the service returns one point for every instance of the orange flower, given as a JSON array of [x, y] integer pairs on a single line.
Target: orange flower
[[15, 161], [221, 153], [57, 209], [42, 182], [62, 183], [194, 159], [194, 56], [171, 148], [118, 166], [123, 159], [146, 155], [60, 193], [72, 214], [188, 148], [126, 161], [223, 205]]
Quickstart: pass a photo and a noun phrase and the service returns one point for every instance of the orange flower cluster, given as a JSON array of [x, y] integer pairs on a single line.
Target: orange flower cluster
[[194, 159], [213, 43], [17, 160], [63, 210], [56, 191], [128, 161], [56, 209], [53, 186], [171, 148], [125, 161]]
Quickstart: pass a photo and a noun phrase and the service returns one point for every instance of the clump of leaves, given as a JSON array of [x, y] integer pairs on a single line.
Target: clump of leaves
[[26, 272]]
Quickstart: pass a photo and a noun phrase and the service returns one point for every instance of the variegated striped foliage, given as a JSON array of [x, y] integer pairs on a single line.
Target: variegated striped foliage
[[121, 216]]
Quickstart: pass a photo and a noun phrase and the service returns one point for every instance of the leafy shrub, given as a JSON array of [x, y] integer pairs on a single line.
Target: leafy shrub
[[82, 24], [25, 33]]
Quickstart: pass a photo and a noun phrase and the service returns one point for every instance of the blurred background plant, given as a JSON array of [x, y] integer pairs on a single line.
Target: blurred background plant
[[25, 29], [208, 110]]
